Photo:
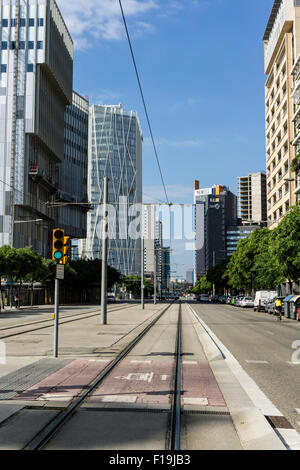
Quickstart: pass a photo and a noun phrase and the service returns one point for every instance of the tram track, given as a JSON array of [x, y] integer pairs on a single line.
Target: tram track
[[47, 434], [69, 319]]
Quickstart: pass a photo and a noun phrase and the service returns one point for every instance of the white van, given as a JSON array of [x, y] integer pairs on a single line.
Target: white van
[[261, 297]]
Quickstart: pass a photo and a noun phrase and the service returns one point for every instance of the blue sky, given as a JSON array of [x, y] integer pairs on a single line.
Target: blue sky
[[201, 67]]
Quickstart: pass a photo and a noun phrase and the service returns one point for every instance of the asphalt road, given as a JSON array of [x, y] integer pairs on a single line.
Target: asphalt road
[[264, 348]]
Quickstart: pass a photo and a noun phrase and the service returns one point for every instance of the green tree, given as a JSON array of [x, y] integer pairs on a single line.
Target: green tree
[[285, 247], [203, 286]]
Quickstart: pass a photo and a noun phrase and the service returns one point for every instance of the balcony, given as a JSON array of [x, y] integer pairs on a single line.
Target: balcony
[[39, 176]]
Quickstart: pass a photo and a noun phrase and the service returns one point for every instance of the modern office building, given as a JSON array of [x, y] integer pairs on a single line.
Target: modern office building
[[166, 267], [252, 198], [236, 233], [36, 76], [71, 175], [115, 152], [281, 49], [190, 276], [215, 209]]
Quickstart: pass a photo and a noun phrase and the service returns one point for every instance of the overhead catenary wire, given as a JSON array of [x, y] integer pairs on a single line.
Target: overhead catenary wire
[[143, 99]]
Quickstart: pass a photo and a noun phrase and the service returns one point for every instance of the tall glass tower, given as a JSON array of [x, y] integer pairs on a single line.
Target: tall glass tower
[[115, 152]]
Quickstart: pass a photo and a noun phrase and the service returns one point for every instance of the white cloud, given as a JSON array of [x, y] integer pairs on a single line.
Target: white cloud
[[90, 19]]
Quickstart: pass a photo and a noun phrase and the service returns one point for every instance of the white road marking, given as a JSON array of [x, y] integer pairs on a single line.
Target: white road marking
[[140, 362], [189, 362], [98, 360], [55, 397], [195, 401], [256, 362], [298, 410], [294, 363], [119, 399], [164, 377], [146, 377]]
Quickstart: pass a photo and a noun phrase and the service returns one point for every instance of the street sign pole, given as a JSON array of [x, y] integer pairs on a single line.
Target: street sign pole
[[104, 254], [56, 312], [60, 270]]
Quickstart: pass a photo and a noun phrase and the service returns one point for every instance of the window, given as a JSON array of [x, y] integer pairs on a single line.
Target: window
[[3, 68], [31, 22], [30, 68], [40, 21], [12, 45], [13, 22], [22, 45], [4, 23], [40, 44], [30, 45], [22, 22], [3, 45]]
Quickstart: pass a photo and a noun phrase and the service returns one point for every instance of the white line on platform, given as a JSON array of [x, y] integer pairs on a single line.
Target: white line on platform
[[189, 362], [195, 401], [256, 362]]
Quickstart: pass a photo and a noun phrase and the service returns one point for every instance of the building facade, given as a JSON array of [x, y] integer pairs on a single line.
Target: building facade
[[252, 198], [71, 174], [281, 49], [115, 152], [296, 121], [36, 75], [215, 209]]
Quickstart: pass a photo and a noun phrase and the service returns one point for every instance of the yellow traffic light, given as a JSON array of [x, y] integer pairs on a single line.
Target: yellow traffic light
[[58, 244], [67, 251]]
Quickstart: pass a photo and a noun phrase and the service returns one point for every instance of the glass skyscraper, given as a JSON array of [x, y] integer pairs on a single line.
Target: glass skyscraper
[[115, 152]]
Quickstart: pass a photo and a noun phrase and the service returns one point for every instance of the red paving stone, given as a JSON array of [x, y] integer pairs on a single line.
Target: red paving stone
[[67, 382], [199, 382], [148, 383]]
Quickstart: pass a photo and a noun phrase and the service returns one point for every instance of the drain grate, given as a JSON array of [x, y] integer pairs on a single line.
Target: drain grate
[[203, 412], [279, 422]]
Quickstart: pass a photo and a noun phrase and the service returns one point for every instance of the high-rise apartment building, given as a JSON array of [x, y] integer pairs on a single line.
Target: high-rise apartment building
[[296, 121], [252, 198], [36, 75], [115, 152], [71, 175], [281, 49]]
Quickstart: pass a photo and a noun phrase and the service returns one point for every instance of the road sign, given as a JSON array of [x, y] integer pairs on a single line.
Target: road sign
[[60, 271]]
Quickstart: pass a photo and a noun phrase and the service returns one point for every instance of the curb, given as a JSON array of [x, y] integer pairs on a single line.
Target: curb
[[251, 423]]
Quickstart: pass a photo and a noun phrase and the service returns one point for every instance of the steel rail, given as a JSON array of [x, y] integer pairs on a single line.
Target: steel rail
[[175, 433], [47, 433], [65, 317]]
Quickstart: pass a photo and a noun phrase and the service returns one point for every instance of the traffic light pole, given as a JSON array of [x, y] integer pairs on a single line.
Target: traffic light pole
[[104, 254], [56, 312]]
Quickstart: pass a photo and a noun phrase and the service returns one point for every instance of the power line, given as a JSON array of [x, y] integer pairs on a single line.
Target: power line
[[143, 99]]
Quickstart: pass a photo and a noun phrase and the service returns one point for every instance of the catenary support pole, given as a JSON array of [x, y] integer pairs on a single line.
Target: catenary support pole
[[142, 274], [155, 275], [104, 254]]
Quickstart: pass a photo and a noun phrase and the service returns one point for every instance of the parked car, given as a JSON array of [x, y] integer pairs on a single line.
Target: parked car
[[204, 298], [261, 298], [270, 305], [237, 300], [246, 302]]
